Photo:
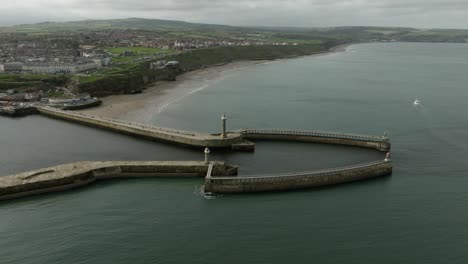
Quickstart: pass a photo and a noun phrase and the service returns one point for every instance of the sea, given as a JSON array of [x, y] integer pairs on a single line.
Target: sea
[[419, 214]]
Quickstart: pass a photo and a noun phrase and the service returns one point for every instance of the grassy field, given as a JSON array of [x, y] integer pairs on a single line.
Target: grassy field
[[125, 65], [27, 81], [139, 52]]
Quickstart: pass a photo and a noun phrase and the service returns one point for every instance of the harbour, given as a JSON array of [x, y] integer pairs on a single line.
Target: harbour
[[417, 212], [64, 177]]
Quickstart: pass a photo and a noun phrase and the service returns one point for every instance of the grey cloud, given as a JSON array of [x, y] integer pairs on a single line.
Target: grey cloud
[[415, 13]]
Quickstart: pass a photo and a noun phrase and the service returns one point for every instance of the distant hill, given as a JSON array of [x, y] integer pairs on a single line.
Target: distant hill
[[300, 34], [129, 23]]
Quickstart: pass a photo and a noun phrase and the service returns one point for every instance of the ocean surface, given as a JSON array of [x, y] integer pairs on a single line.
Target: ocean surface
[[418, 215]]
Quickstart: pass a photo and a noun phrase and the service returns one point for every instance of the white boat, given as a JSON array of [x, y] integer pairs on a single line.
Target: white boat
[[417, 102]]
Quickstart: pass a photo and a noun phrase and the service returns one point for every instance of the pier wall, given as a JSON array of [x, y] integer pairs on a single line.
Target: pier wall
[[74, 175], [186, 138], [295, 181], [379, 143]]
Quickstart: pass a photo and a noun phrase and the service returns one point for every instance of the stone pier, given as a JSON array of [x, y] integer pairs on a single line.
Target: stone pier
[[74, 175], [186, 138]]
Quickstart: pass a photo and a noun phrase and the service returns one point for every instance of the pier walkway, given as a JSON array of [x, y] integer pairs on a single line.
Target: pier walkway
[[192, 139]]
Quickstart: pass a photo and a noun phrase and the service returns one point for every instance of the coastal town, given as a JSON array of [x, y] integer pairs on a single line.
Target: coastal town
[[126, 56], [61, 68], [75, 53]]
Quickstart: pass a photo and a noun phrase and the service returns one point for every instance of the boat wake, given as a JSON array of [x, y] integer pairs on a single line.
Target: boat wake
[[417, 104], [199, 191]]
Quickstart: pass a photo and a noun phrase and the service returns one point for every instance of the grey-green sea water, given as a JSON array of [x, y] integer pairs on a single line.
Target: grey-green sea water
[[418, 215]]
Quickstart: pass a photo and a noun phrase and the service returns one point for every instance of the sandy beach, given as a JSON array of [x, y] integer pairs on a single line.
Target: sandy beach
[[141, 107]]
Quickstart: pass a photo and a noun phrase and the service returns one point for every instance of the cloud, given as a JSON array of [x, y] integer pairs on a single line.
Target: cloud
[[306, 13]]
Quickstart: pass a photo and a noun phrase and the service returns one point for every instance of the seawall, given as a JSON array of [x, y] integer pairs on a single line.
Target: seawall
[[74, 175], [295, 181]]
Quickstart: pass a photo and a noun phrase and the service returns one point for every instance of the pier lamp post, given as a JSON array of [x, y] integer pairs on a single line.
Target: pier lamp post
[[385, 135], [207, 156], [387, 157], [223, 131]]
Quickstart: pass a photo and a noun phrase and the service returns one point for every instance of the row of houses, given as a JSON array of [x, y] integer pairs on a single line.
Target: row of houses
[[55, 67], [58, 68]]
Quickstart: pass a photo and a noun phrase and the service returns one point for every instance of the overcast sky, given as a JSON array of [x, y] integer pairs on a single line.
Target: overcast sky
[[305, 13]]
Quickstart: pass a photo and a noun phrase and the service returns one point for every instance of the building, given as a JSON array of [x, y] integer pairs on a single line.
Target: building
[[86, 66], [102, 61], [98, 63], [36, 60], [17, 97], [52, 68], [127, 53], [11, 91], [172, 64], [106, 61], [32, 97], [59, 101], [161, 64], [48, 68], [13, 67], [86, 51], [2, 68]]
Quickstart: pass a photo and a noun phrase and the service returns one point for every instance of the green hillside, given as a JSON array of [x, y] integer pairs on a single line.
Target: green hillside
[[130, 23]]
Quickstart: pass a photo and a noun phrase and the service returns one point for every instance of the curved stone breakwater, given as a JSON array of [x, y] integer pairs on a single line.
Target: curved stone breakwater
[[365, 141], [295, 181], [74, 175]]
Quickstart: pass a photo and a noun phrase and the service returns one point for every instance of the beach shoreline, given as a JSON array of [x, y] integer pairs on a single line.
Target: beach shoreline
[[141, 107]]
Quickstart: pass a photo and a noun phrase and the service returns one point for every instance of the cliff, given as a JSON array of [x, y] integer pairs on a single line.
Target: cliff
[[141, 76]]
